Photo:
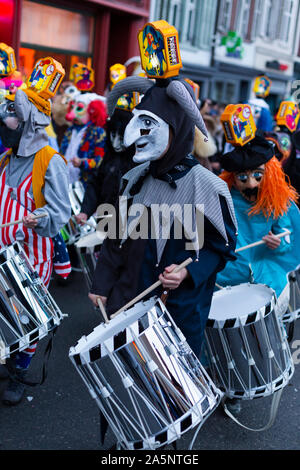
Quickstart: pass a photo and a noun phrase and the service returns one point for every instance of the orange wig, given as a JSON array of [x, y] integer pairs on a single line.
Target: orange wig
[[275, 193]]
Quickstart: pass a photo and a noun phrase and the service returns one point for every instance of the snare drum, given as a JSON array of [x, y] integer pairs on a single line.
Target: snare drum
[[88, 250], [73, 229], [147, 382], [246, 342], [28, 312]]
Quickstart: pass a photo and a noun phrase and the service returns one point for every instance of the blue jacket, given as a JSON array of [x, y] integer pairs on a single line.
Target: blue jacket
[[260, 264]]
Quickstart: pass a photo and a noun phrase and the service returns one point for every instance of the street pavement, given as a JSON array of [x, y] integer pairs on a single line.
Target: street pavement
[[61, 415]]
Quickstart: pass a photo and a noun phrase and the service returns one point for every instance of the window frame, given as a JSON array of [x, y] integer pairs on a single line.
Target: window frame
[[56, 49], [224, 27]]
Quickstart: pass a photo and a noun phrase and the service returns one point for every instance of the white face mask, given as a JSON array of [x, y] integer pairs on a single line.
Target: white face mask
[[149, 133]]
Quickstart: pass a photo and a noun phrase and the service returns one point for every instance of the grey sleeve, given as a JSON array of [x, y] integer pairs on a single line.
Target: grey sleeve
[[56, 193]]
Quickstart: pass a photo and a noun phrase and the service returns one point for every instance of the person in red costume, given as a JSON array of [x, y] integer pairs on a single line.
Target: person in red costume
[[84, 143]]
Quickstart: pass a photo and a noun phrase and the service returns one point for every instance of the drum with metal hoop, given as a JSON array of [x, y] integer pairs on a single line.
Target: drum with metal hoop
[[144, 377], [27, 311], [73, 231], [88, 250], [246, 342]]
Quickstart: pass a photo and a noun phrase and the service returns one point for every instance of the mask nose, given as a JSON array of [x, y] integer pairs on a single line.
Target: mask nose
[[70, 116], [132, 132], [252, 183]]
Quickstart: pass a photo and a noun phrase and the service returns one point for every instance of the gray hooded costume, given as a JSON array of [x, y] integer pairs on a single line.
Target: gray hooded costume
[[55, 191]]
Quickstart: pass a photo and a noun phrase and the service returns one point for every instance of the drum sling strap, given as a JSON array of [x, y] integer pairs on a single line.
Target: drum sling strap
[[41, 161], [11, 369], [273, 412]]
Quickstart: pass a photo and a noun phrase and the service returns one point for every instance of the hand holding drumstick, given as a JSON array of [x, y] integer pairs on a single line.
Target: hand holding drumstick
[[170, 279], [165, 278], [271, 241], [29, 221]]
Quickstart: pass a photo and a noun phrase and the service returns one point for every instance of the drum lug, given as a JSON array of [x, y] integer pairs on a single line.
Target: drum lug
[[127, 381], [170, 350], [104, 392], [152, 366]]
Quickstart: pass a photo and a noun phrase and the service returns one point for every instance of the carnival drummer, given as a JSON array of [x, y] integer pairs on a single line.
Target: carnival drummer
[[33, 181], [162, 131], [265, 207]]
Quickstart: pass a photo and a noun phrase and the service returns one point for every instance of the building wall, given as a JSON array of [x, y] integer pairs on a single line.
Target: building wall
[[112, 26], [268, 30]]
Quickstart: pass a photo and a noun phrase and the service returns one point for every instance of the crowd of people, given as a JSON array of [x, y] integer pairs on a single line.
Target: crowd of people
[[151, 142]]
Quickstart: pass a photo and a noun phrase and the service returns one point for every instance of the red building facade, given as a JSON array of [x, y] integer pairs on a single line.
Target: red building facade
[[97, 32]]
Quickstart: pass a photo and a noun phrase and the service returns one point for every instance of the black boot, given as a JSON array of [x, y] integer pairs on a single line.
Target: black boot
[[15, 389]]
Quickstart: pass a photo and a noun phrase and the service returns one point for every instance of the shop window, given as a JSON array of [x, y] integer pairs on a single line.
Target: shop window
[[242, 18], [257, 18], [225, 16], [62, 34], [272, 14], [224, 91], [285, 20]]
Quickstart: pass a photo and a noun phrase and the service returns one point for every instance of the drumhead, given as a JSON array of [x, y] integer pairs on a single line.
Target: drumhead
[[239, 301], [92, 239], [118, 327]]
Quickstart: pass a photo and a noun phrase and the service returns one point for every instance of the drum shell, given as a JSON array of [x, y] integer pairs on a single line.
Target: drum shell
[[148, 372], [74, 230], [27, 311], [88, 257], [250, 357], [88, 250]]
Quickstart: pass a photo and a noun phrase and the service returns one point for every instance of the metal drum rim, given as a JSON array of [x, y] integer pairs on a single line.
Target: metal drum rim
[[81, 349], [259, 393], [29, 342], [194, 411], [248, 318]]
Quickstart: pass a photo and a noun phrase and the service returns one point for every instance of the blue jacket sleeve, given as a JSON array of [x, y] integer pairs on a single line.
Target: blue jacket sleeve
[[216, 251]]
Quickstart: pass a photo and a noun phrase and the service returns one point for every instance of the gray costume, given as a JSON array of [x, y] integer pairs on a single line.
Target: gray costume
[[55, 191]]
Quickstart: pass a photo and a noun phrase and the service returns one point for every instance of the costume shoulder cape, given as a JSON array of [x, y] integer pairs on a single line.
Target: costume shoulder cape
[[40, 164], [199, 188]]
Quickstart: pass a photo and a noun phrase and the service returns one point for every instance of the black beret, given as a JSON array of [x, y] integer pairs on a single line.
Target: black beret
[[253, 154]]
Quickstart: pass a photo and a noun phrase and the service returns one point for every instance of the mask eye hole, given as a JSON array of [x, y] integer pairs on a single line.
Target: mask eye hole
[[11, 108], [257, 175], [242, 177]]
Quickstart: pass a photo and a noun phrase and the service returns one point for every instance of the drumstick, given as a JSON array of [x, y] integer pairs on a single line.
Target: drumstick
[[151, 288], [87, 223], [261, 242], [102, 309], [39, 216]]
